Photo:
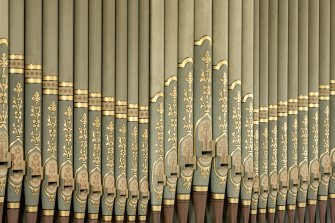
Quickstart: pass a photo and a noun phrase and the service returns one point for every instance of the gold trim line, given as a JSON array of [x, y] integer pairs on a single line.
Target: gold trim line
[[16, 56], [301, 204], [233, 200], [271, 210], [185, 61], [64, 213], [322, 198], [13, 205], [156, 208], [246, 202], [234, 84], [202, 40], [218, 196], [183, 197], [93, 216], [15, 71], [31, 209], [131, 218], [33, 67], [200, 188], [220, 64], [156, 97], [281, 208], [119, 218], [107, 218], [50, 78], [169, 80], [79, 215], [4, 41], [65, 84], [48, 212], [169, 202]]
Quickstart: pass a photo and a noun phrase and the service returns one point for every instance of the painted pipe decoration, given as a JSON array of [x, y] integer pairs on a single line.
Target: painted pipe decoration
[[221, 161], [65, 110], [33, 103], [80, 110], [170, 104], [108, 111], [16, 99]]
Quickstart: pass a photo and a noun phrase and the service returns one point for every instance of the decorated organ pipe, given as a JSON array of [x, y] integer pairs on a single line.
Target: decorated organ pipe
[[255, 80], [94, 109], [15, 60], [282, 81], [5, 155], [234, 108], [302, 109], [170, 107], [247, 107], [80, 110], [331, 191], [132, 133], [121, 78], [219, 170], [185, 80], [65, 110], [108, 110], [273, 109], [313, 108], [324, 76], [199, 110], [263, 160], [50, 109], [143, 111], [157, 174], [33, 103]]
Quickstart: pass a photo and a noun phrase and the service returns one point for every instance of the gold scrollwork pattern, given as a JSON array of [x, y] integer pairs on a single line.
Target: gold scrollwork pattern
[[110, 146], [145, 148], [67, 128], [96, 139], [83, 139], [134, 153], [35, 115], [122, 146], [52, 124], [206, 78], [18, 108]]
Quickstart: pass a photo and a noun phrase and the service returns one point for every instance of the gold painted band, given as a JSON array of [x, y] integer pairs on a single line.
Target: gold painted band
[[108, 113], [332, 93], [13, 205], [119, 218], [303, 108], [142, 218], [63, 213], [132, 105], [169, 202], [200, 188], [94, 108], [131, 218], [2, 199], [322, 198], [324, 98], [107, 218], [253, 211], [48, 212], [324, 86], [121, 102], [218, 196], [303, 97], [33, 67], [202, 40], [33, 80], [121, 116], [292, 112], [185, 61], [93, 216], [50, 91], [16, 56], [284, 114], [143, 108], [16, 71], [65, 84], [291, 207], [256, 122], [50, 78], [301, 204], [311, 105], [331, 196], [108, 99], [4, 41], [273, 118], [233, 200], [311, 202], [132, 119], [246, 202], [95, 95], [31, 209], [79, 215], [80, 105], [156, 97], [65, 97], [263, 120], [332, 81], [281, 208], [271, 210], [183, 197], [311, 94], [262, 211], [143, 120], [80, 92], [219, 65], [156, 208]]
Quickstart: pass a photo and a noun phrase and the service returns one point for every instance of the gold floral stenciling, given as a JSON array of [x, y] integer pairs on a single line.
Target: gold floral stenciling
[[110, 146], [315, 135], [304, 137], [160, 133], [236, 116], [122, 146], [4, 89], [145, 147], [18, 108], [67, 128], [249, 128], [35, 115], [283, 142], [83, 139], [188, 99], [274, 148], [256, 151], [96, 139], [326, 129], [134, 167], [52, 124], [295, 141], [265, 144], [206, 78]]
